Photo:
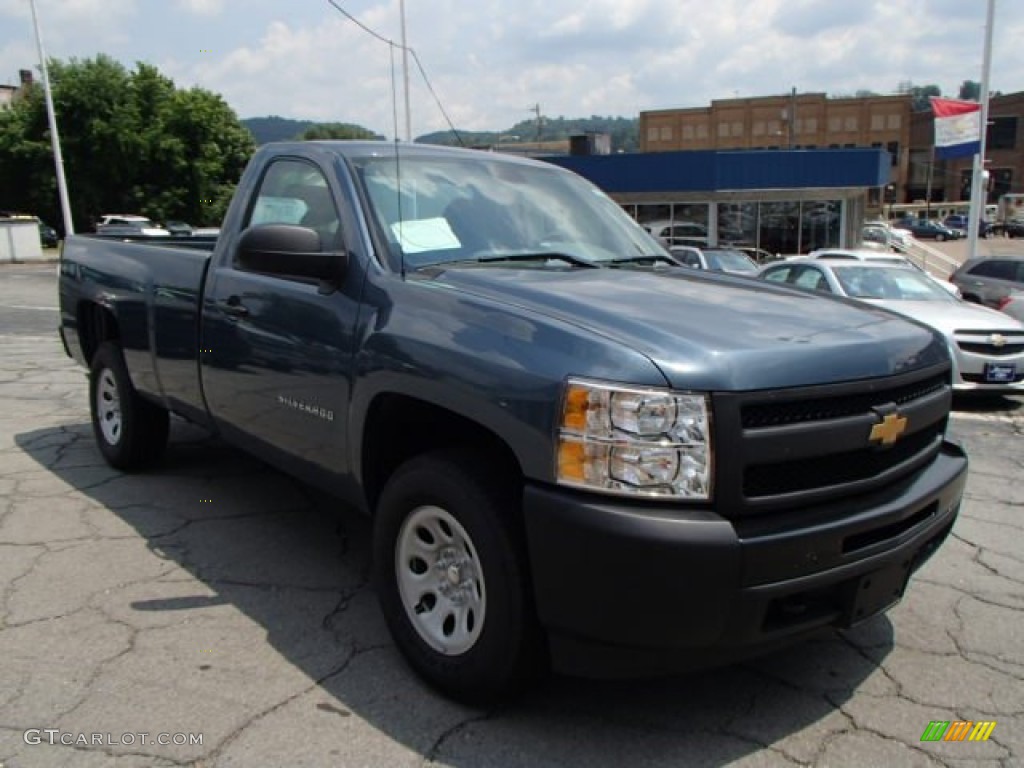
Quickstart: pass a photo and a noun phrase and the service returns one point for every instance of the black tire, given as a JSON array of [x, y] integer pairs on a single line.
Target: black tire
[[131, 432], [487, 643]]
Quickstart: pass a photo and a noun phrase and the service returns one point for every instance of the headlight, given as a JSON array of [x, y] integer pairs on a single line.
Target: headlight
[[635, 441]]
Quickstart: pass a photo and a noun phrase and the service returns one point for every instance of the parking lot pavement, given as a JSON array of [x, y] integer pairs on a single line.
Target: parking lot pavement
[[215, 600]]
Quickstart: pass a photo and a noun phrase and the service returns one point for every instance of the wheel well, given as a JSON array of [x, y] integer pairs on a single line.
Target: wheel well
[[399, 427], [95, 326]]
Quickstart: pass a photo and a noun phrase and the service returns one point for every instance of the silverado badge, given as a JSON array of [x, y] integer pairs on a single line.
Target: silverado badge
[[889, 429]]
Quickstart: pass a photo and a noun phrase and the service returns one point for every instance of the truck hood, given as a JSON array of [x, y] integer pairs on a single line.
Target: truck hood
[[715, 332]]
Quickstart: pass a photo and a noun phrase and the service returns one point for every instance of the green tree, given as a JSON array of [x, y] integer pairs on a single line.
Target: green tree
[[920, 95], [970, 90], [131, 142], [337, 131]]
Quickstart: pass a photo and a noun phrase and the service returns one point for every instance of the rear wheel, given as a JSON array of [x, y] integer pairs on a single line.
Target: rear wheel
[[450, 568], [131, 432]]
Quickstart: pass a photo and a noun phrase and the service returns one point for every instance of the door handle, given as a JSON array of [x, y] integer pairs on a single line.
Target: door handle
[[234, 307]]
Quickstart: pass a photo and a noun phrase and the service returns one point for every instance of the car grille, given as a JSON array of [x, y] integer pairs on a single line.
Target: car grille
[[798, 447], [981, 342]]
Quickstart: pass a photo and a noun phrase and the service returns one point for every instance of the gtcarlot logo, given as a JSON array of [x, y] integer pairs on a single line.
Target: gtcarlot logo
[[55, 736]]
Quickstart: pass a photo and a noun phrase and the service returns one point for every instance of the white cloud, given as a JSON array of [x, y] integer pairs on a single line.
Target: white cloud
[[202, 7], [491, 60]]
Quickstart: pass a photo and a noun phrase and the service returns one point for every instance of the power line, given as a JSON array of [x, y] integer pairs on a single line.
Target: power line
[[415, 57]]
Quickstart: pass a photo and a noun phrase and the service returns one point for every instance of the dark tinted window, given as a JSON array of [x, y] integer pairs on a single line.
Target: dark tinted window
[[1003, 270], [1002, 133]]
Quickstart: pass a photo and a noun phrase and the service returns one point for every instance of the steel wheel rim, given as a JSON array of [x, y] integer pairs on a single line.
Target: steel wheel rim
[[440, 580], [108, 407]]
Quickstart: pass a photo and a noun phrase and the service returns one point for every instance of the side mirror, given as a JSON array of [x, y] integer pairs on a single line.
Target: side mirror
[[290, 251]]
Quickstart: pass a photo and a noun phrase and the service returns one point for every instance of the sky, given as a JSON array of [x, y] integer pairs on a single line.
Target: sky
[[490, 64]]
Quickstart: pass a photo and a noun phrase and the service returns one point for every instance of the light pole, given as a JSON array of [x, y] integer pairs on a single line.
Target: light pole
[[58, 159], [890, 197]]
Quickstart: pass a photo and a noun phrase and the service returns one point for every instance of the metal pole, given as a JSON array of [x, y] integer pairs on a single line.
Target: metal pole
[[405, 70], [58, 159], [978, 194]]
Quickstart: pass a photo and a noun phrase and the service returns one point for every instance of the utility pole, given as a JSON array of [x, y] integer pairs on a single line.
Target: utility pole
[[979, 192], [58, 159], [405, 70], [540, 120]]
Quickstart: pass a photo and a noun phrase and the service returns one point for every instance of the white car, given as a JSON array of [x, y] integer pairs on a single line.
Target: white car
[[987, 346], [128, 225], [882, 257]]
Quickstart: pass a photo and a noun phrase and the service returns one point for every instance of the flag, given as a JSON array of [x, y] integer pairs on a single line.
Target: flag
[[957, 128]]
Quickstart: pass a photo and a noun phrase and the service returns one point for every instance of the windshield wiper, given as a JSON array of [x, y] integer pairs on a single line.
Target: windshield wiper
[[649, 258], [497, 258]]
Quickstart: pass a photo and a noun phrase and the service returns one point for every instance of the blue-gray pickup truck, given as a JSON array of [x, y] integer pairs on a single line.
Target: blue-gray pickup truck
[[577, 454]]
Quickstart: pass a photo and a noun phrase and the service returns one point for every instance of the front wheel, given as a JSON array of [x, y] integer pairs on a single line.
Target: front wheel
[[450, 569], [131, 432]]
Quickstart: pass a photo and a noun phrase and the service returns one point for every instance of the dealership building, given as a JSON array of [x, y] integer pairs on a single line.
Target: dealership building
[[793, 172]]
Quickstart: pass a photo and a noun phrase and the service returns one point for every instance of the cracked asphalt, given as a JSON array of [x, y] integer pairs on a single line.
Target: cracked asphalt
[[215, 596]]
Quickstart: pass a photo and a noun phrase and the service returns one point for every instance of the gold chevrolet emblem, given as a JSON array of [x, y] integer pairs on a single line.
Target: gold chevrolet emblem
[[889, 429]]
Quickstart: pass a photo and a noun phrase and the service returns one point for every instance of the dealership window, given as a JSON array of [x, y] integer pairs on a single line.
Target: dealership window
[[811, 124], [1002, 133], [652, 133], [666, 133], [894, 122], [758, 128], [737, 129], [702, 131], [835, 125], [878, 122], [850, 124], [688, 132], [723, 130]]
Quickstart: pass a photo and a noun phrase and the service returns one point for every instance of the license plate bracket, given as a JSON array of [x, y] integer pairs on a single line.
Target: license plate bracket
[[873, 592]]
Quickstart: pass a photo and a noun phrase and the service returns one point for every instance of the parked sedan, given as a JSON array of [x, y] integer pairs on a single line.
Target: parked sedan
[[987, 346], [882, 257], [925, 229], [989, 279], [715, 259]]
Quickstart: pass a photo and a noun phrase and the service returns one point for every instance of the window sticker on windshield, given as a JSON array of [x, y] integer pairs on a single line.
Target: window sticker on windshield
[[425, 235]]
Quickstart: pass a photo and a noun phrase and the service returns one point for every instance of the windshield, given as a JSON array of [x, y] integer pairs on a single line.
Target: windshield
[[731, 261], [866, 282], [480, 208]]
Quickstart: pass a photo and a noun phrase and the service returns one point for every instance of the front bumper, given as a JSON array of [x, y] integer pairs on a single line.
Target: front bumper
[[638, 588]]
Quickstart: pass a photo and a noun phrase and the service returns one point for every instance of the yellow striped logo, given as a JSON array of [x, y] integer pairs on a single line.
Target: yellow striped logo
[[958, 730]]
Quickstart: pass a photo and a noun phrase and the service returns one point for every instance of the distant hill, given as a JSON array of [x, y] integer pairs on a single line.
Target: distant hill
[[274, 128], [624, 131]]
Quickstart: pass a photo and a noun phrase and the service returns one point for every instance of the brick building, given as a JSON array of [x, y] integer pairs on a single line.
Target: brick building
[[814, 121]]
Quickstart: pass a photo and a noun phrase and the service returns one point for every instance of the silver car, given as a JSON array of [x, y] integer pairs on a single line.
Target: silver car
[[987, 346]]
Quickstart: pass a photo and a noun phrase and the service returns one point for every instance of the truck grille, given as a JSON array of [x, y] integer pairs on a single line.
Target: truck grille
[[836, 407], [837, 468], [792, 448]]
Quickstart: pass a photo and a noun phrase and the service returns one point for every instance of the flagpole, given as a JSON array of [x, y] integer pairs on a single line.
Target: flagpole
[[58, 159], [979, 193]]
